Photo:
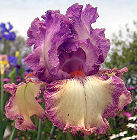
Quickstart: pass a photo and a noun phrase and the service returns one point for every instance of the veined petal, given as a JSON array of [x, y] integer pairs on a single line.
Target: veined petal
[[92, 41], [83, 105], [82, 19], [47, 35], [107, 73], [57, 40], [22, 105]]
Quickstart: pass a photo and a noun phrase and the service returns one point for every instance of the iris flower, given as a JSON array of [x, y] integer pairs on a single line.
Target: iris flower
[[12, 60], [6, 33], [68, 52]]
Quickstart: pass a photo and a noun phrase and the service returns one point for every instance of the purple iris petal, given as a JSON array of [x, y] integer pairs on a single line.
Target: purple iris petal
[[47, 35], [12, 60], [72, 61], [3, 27], [12, 36], [64, 44], [97, 44], [6, 32], [10, 26]]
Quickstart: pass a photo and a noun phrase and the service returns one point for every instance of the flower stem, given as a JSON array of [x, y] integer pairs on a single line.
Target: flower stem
[[39, 130], [2, 97], [52, 132], [5, 46], [12, 134], [86, 137], [69, 136]]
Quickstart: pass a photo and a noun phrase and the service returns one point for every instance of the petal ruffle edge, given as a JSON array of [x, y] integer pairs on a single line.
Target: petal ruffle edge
[[83, 105], [22, 105]]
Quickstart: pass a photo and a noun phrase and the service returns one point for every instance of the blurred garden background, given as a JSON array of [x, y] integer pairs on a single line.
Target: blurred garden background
[[119, 18]]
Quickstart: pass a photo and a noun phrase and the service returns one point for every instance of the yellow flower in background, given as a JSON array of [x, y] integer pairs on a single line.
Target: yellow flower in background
[[3, 63], [17, 53]]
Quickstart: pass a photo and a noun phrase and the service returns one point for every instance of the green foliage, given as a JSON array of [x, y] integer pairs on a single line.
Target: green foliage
[[124, 51], [124, 54]]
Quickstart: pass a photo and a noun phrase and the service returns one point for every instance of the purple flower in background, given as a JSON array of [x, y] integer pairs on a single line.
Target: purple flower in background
[[39, 100], [68, 52], [18, 79], [6, 80], [6, 32], [131, 88], [12, 60], [0, 37], [128, 114]]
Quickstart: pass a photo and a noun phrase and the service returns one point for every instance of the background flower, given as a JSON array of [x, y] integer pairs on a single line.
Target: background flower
[[6, 33]]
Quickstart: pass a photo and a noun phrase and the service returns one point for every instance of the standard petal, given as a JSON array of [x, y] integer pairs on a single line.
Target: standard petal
[[47, 35], [83, 105], [80, 55], [57, 35], [70, 62], [22, 105], [96, 46], [82, 20]]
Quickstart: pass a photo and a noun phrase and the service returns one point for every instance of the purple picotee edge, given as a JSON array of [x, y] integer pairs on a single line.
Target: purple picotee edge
[[118, 88], [19, 119]]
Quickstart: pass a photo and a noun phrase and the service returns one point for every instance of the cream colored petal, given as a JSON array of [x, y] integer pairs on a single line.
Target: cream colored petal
[[22, 105], [84, 104], [79, 104], [98, 96]]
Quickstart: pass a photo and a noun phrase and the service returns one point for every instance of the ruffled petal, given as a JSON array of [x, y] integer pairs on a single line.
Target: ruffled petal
[[58, 35], [102, 44], [22, 105], [70, 62], [107, 73], [33, 60], [91, 56], [82, 20], [93, 39], [84, 104], [47, 35]]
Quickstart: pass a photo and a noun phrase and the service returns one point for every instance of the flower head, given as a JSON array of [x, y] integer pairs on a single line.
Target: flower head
[[127, 114], [6, 33], [6, 80], [131, 88], [66, 43], [12, 60], [68, 52]]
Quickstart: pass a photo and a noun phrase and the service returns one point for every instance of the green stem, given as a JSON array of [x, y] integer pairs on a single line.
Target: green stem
[[12, 134], [5, 46], [39, 130], [2, 97], [5, 122], [52, 132], [69, 136], [86, 137]]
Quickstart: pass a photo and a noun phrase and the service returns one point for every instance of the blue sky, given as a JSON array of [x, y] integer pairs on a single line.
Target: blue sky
[[113, 14]]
